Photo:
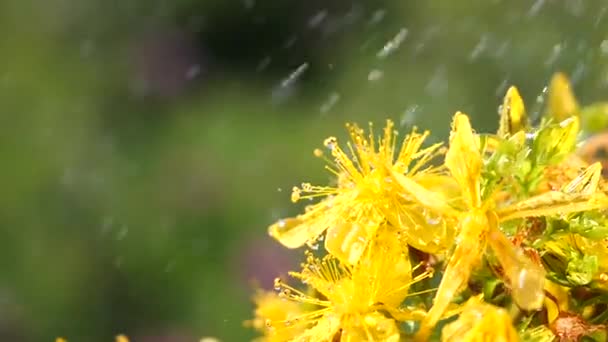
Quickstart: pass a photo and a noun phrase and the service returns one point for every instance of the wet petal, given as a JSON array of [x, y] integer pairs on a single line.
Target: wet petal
[[463, 159], [562, 102], [513, 114]]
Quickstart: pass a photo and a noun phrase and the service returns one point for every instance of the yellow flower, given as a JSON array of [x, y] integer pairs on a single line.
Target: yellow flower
[[478, 224], [561, 104], [353, 303], [270, 307], [513, 117], [366, 196], [480, 322]]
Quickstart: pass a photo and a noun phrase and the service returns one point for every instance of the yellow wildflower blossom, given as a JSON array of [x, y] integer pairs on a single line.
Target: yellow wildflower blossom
[[480, 322], [354, 303], [122, 338], [366, 196], [562, 104], [512, 114], [270, 307], [479, 224]]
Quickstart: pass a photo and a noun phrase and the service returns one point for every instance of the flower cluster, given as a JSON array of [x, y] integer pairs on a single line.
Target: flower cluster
[[494, 237]]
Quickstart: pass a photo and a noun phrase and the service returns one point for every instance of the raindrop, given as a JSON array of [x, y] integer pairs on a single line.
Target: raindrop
[[193, 71], [575, 7], [555, 52], [409, 115], [330, 143], [438, 84], [317, 19], [170, 266], [295, 75], [333, 99], [501, 50], [502, 88], [375, 75], [393, 44], [479, 48], [604, 47], [87, 47], [290, 42], [578, 72], [536, 7], [122, 233], [263, 64], [541, 97], [377, 17], [249, 4], [600, 16], [107, 224]]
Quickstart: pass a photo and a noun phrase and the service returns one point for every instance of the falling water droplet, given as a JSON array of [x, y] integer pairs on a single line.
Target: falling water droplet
[[555, 53], [409, 115], [375, 75], [193, 71], [317, 19], [536, 7], [263, 64], [377, 17], [295, 75], [392, 45], [479, 48], [438, 84], [333, 99], [604, 47]]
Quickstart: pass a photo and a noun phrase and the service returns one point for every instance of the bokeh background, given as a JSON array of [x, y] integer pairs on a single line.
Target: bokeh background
[[146, 145]]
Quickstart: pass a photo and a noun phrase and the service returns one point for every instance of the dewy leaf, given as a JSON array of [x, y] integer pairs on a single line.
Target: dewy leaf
[[582, 269], [463, 159], [562, 103], [512, 114], [553, 142]]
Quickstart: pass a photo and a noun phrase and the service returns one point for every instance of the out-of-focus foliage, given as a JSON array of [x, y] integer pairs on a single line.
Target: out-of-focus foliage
[[146, 144]]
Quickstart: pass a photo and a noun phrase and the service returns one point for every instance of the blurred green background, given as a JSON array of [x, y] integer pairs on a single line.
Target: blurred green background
[[146, 145]]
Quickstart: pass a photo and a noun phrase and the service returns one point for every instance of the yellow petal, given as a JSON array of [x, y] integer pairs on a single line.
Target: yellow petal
[[295, 232], [429, 199], [480, 322], [371, 327], [423, 230], [384, 270], [347, 240], [527, 279], [513, 114], [325, 330], [463, 159], [467, 254], [562, 103]]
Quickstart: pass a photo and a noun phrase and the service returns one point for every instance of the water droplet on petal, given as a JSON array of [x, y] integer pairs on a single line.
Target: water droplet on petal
[[330, 143]]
